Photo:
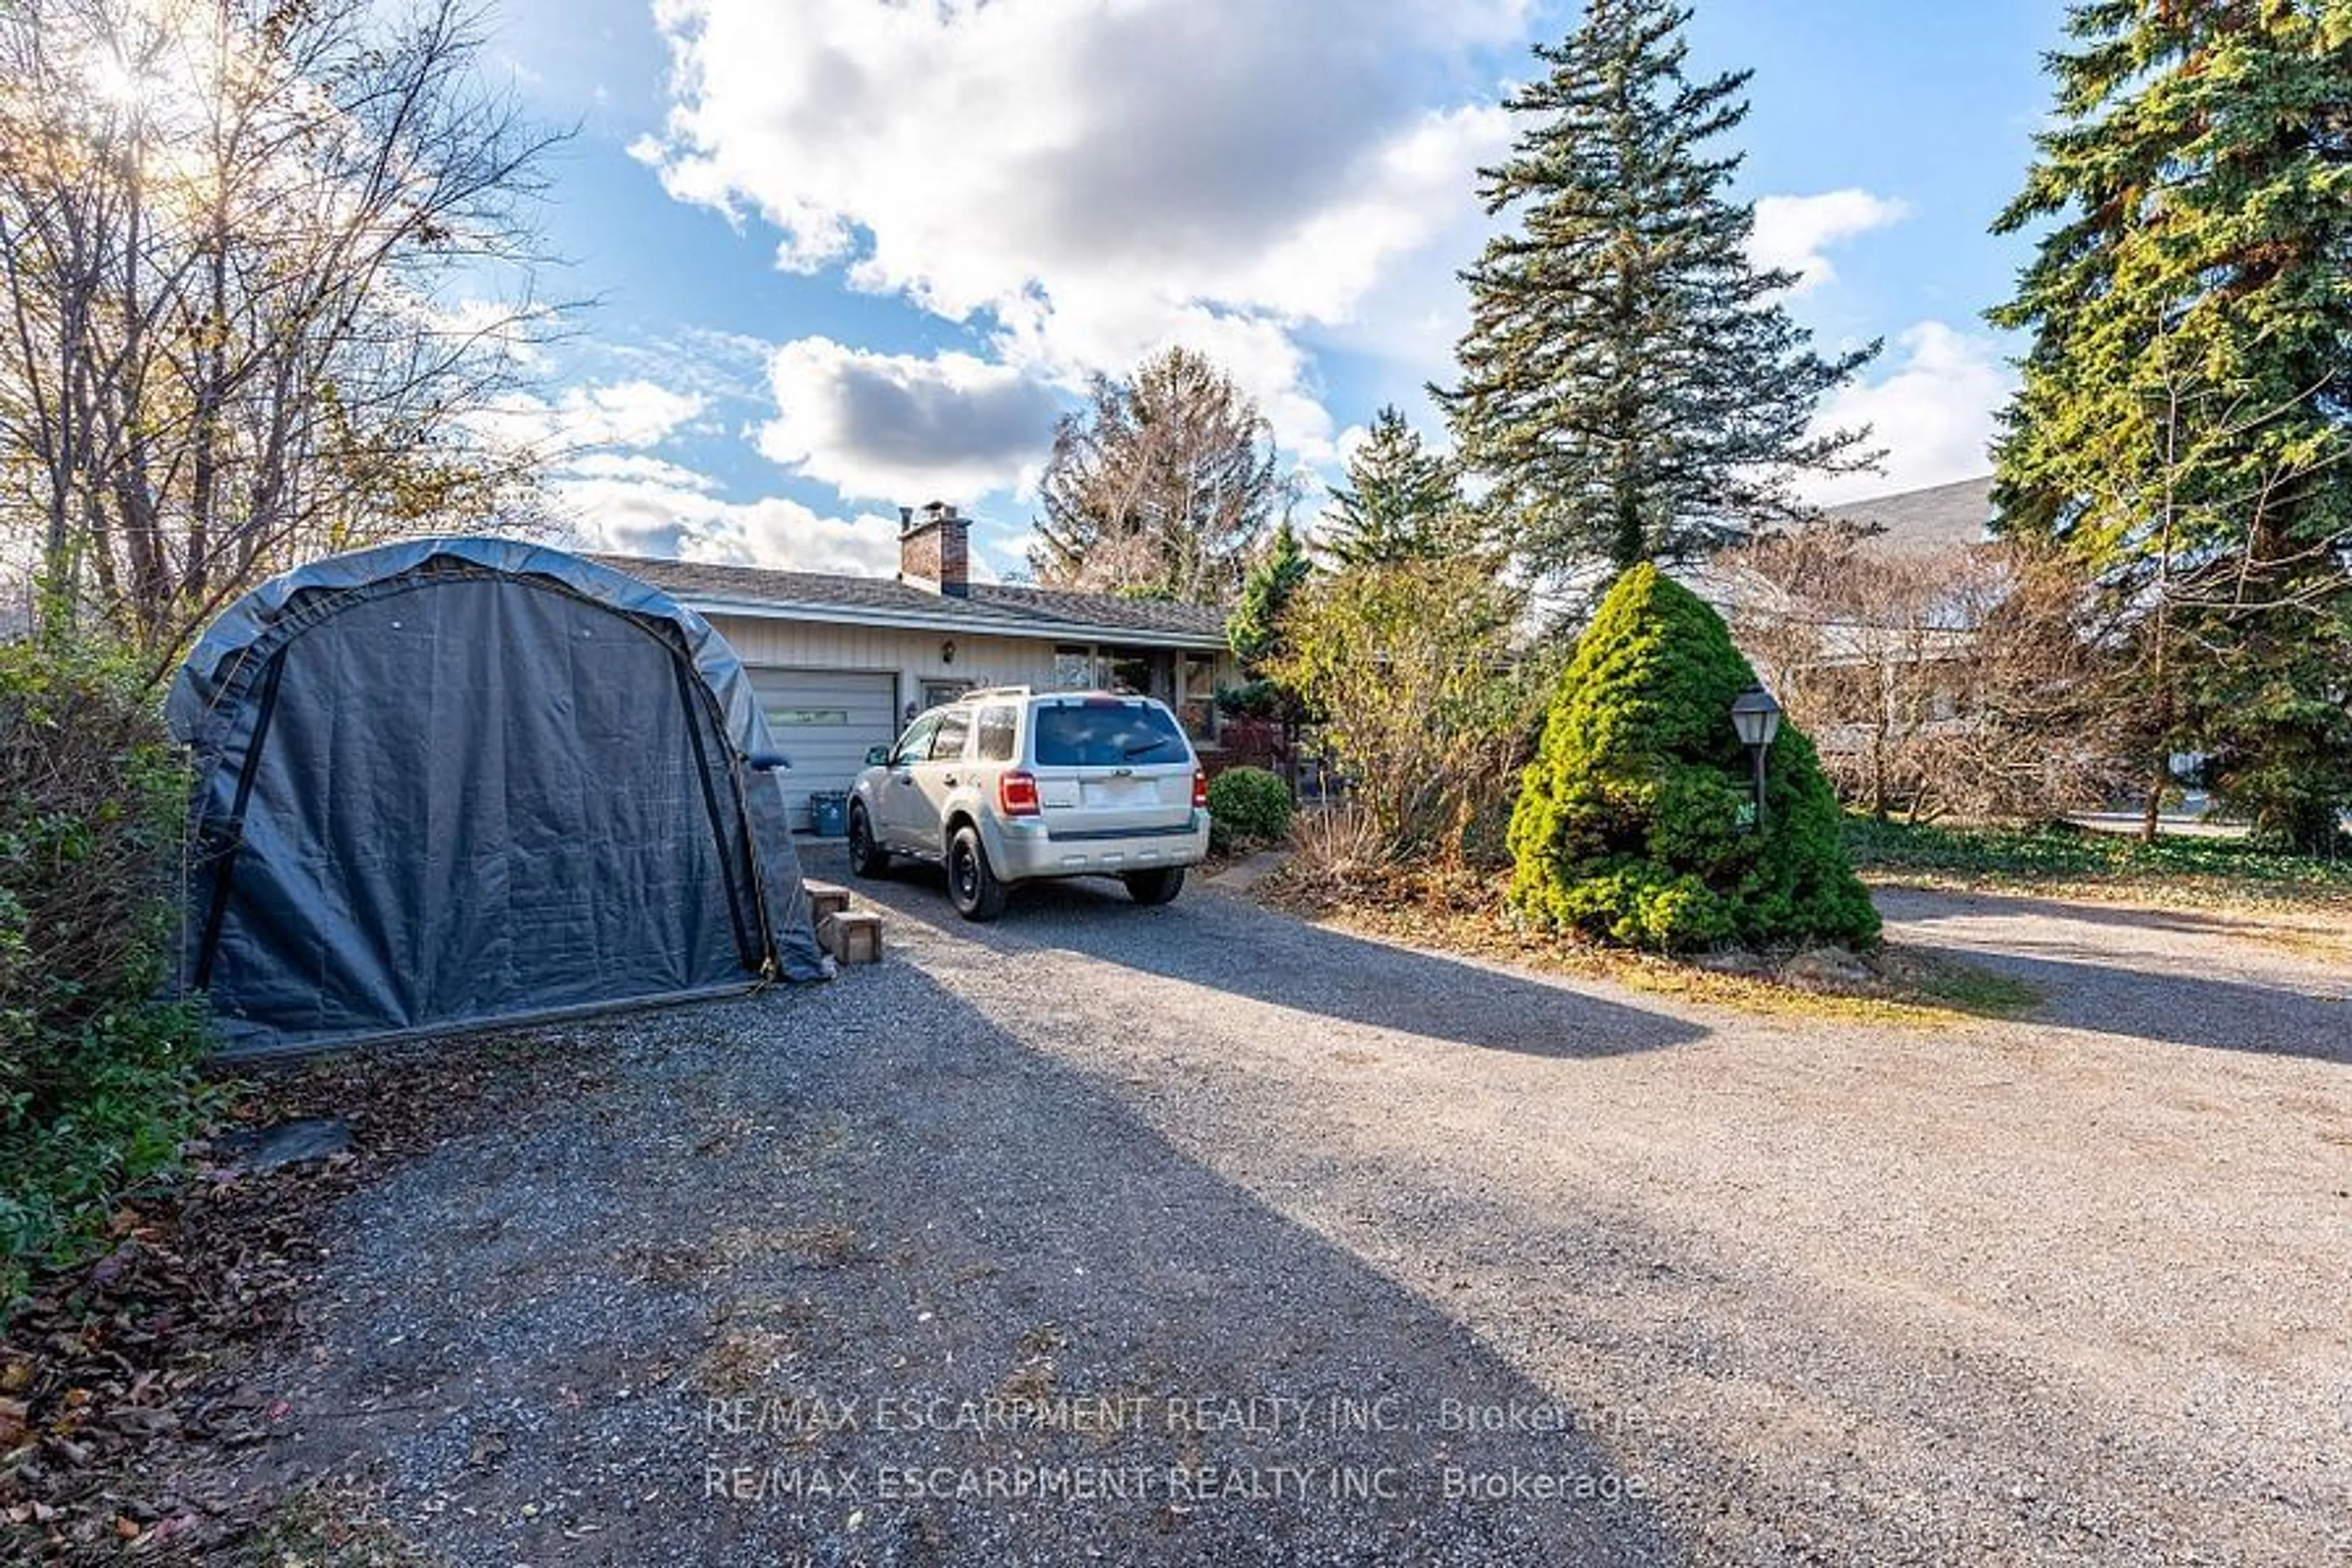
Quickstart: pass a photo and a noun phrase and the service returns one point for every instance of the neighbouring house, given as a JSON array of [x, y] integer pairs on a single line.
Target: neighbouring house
[[1940, 518], [1867, 627], [1934, 584], [840, 663], [1904, 546], [1938, 670]]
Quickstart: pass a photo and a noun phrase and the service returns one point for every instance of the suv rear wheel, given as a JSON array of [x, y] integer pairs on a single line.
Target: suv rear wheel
[[971, 884], [866, 858], [1159, 886]]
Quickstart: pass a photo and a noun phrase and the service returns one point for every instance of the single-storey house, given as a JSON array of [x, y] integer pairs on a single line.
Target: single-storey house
[[841, 663], [1940, 518]]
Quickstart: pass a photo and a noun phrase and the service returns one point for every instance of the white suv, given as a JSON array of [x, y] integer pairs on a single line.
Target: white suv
[[1006, 785]]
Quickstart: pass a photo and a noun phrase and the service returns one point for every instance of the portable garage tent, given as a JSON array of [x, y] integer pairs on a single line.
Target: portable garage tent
[[465, 782]]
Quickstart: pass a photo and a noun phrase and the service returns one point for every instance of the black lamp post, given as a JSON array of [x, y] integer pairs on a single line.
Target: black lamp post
[[1757, 719]]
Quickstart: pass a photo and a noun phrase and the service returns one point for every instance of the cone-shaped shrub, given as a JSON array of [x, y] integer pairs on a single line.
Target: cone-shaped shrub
[[1628, 825]]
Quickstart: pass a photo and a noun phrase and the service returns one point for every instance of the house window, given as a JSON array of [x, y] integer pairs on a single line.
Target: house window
[[1074, 668], [1196, 696], [1133, 672]]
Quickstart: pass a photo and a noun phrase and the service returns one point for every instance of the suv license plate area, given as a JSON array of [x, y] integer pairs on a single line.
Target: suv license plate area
[[1117, 794]]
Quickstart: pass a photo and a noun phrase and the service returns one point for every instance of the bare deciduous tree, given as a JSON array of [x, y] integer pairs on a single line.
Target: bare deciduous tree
[[1975, 679], [257, 263], [1162, 486], [2222, 600]]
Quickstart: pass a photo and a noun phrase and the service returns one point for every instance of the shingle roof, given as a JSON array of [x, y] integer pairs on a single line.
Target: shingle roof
[[1102, 609], [989, 606], [1931, 519]]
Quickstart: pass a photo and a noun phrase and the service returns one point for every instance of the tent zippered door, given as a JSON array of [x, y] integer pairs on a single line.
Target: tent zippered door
[[233, 830]]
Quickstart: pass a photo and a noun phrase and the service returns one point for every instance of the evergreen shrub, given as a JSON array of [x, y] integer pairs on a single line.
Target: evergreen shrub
[[1630, 825]]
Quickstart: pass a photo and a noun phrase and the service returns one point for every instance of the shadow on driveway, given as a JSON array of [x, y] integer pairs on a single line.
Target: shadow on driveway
[[1920, 905], [2185, 979], [869, 1200], [1228, 945]]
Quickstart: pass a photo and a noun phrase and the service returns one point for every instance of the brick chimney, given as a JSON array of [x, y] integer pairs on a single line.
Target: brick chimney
[[934, 549]]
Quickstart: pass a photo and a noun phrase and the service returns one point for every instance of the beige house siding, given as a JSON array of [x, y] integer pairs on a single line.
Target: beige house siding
[[913, 657], [839, 664]]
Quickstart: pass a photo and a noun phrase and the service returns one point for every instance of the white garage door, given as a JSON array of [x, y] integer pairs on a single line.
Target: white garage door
[[825, 719]]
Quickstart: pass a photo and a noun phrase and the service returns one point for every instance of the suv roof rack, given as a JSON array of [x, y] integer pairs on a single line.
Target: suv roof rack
[[977, 692]]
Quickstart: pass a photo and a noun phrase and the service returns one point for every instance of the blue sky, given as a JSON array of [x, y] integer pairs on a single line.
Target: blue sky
[[848, 255]]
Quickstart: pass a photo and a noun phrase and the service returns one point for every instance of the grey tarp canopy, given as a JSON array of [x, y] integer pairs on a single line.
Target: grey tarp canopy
[[462, 782]]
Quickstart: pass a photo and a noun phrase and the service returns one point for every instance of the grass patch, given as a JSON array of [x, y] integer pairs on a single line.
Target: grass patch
[[1963, 987], [2058, 857]]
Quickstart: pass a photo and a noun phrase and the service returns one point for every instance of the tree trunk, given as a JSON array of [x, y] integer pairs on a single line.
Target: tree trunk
[[2158, 781]]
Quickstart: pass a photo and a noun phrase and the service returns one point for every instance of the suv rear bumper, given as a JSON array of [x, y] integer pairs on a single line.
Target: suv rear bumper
[[1022, 850]]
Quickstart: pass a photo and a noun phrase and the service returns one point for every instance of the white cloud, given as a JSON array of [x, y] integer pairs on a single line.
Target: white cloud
[[899, 428], [633, 415], [1796, 233], [1933, 411], [505, 327], [1416, 310], [683, 520], [695, 361], [1087, 186], [613, 493], [634, 468]]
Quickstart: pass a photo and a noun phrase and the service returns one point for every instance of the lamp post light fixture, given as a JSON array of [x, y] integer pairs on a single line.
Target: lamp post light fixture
[[1757, 719]]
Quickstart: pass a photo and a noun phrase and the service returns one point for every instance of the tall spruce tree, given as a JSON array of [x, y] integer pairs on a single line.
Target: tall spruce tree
[[1630, 381], [1401, 501], [2185, 417]]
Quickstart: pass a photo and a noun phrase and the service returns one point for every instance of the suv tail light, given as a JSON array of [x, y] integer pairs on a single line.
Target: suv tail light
[[1017, 793], [1200, 788]]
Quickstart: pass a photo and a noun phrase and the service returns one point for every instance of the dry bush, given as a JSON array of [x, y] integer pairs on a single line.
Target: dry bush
[[1340, 853], [1975, 680], [1412, 671]]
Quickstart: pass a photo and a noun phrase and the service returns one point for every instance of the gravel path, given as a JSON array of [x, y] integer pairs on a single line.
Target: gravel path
[[1208, 1235]]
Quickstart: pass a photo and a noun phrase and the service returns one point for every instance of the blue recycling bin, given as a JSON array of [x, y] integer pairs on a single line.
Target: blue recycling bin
[[828, 813]]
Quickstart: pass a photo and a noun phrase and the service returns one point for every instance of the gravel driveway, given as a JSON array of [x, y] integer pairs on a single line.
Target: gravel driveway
[[1202, 1235]]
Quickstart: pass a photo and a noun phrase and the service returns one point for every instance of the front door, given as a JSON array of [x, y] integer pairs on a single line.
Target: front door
[[938, 693]]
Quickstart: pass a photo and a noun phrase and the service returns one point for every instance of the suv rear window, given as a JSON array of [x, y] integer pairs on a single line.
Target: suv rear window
[[1106, 735]]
